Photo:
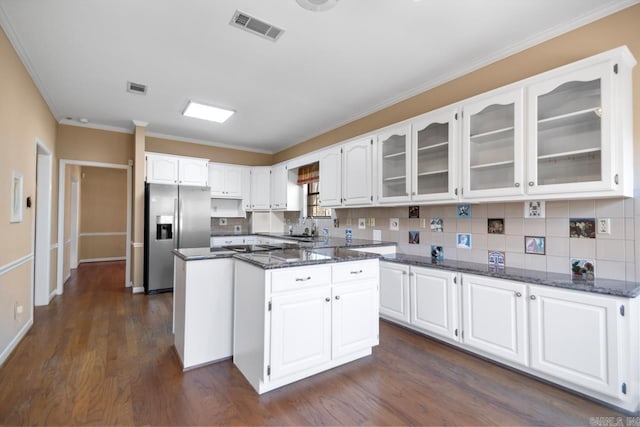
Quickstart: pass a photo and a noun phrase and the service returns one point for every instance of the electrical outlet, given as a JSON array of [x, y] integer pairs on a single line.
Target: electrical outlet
[[223, 221], [423, 222], [372, 222], [237, 229], [604, 226], [362, 223]]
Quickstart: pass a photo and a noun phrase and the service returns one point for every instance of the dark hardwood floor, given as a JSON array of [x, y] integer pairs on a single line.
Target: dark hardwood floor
[[100, 355]]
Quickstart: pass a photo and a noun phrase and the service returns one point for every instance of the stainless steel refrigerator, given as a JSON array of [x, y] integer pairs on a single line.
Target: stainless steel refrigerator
[[175, 217]]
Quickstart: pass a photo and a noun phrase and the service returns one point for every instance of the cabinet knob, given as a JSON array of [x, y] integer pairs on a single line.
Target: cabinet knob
[[413, 194], [337, 296], [518, 294], [532, 297], [327, 299], [517, 184], [531, 183]]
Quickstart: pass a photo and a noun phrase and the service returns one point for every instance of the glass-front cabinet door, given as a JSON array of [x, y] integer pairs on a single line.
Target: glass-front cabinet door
[[569, 147], [394, 165], [434, 153], [493, 147]]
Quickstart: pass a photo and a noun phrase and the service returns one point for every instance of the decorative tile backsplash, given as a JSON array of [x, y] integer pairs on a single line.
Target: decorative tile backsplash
[[613, 254]]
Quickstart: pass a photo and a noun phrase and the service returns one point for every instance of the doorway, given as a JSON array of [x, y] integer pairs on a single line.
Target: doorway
[[42, 241], [61, 218]]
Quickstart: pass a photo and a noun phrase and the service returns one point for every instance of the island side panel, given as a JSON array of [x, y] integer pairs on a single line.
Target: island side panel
[[179, 291], [209, 320], [250, 308]]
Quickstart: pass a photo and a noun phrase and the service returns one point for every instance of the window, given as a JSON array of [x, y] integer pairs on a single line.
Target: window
[[313, 206]]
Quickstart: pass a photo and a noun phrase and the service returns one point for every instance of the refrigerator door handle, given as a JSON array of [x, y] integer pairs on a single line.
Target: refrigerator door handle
[[176, 226]]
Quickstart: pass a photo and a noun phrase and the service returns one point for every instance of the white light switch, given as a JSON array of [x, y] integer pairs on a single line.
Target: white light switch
[[377, 235]]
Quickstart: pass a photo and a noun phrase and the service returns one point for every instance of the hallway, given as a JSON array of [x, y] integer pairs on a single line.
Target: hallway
[[100, 355]]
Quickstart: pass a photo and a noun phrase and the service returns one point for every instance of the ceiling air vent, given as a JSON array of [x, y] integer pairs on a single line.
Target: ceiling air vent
[[256, 26], [138, 88]]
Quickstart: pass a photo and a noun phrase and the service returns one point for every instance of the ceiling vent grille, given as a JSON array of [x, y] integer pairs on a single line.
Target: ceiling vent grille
[[256, 26], [138, 88]]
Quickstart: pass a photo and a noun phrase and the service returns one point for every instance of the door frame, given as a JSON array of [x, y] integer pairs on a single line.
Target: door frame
[[42, 226], [74, 219], [61, 199]]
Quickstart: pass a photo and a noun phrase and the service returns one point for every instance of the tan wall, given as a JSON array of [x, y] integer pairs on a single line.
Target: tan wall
[[92, 248], [622, 28], [215, 154], [103, 207], [94, 145], [24, 116]]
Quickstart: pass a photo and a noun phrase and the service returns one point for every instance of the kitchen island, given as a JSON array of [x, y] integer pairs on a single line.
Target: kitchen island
[[301, 312]]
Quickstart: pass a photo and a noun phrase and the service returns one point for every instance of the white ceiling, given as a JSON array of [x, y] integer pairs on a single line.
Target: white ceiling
[[327, 69]]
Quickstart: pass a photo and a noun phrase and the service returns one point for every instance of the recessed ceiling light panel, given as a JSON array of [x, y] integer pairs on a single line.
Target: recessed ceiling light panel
[[317, 5], [207, 112]]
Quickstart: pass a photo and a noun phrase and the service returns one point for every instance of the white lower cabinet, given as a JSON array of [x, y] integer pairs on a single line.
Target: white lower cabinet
[[299, 321], [435, 301], [394, 291], [495, 317], [582, 340], [300, 331], [578, 337]]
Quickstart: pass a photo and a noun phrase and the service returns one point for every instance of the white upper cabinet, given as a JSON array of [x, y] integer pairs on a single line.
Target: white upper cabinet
[[161, 169], [330, 184], [260, 188], [286, 194], [492, 146], [357, 172], [394, 164], [577, 135], [245, 177], [225, 180], [434, 155], [167, 169]]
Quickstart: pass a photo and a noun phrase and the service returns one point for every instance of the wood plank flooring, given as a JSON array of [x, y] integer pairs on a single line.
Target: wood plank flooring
[[99, 355]]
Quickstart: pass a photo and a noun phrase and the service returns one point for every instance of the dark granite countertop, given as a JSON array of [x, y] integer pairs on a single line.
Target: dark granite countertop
[[195, 254], [331, 241], [602, 286], [286, 258]]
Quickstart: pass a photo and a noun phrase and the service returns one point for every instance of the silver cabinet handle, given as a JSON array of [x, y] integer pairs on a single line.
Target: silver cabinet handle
[[532, 297], [531, 183], [327, 299], [355, 272], [518, 294], [337, 296], [303, 279]]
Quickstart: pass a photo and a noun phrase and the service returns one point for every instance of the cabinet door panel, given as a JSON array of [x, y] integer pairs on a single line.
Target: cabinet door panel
[[394, 165], [435, 156], [330, 184], [493, 146], [193, 171], [574, 337], [260, 188], [495, 317], [216, 179], [569, 133], [434, 302], [233, 181], [394, 291], [355, 318], [357, 173], [300, 331], [162, 169]]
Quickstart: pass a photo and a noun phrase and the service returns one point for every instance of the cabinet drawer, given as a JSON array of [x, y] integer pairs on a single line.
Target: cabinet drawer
[[300, 277], [359, 270]]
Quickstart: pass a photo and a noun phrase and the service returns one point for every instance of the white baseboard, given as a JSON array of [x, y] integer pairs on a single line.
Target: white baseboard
[[66, 278], [53, 294], [137, 289], [15, 341], [115, 258]]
